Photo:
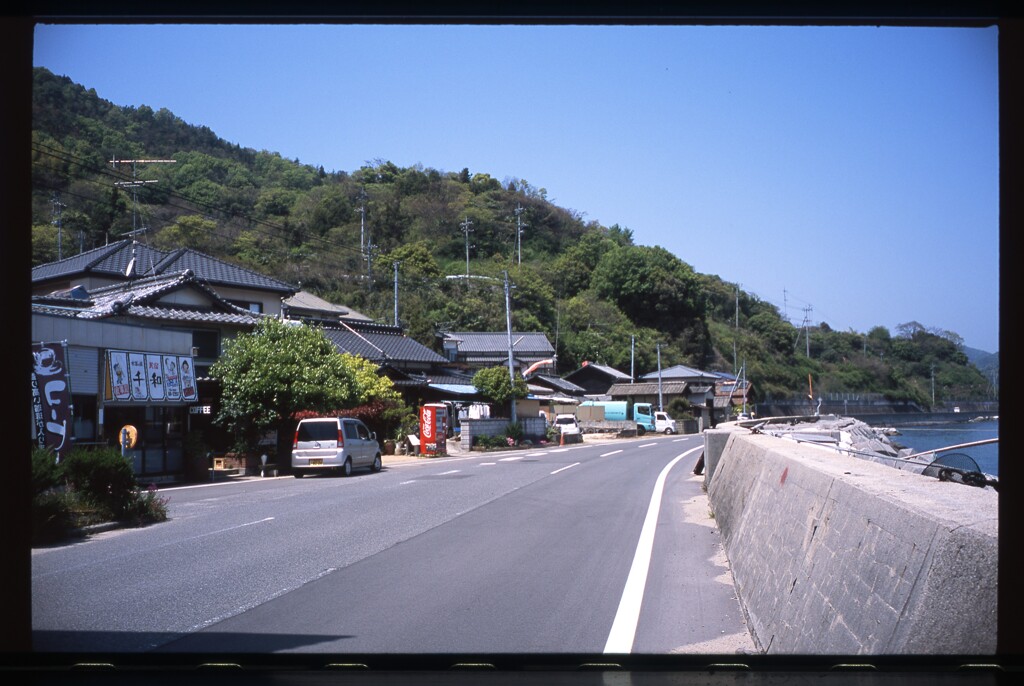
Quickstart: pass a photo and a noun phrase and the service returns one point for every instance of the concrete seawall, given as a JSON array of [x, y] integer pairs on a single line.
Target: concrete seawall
[[834, 555]]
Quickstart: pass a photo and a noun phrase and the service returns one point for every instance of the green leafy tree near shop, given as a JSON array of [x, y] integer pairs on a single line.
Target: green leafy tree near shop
[[280, 369], [494, 383]]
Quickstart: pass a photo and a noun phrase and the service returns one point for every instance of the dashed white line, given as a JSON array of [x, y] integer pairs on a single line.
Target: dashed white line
[[614, 452], [564, 468], [452, 471], [511, 459], [646, 445]]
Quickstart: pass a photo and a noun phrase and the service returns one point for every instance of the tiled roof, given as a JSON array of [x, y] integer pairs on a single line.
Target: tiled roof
[[474, 342], [380, 346], [558, 384], [610, 371], [680, 372], [647, 388], [304, 301], [140, 298], [112, 261]]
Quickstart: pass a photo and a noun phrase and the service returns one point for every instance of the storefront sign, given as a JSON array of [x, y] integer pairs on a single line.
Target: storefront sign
[[51, 396], [149, 377]]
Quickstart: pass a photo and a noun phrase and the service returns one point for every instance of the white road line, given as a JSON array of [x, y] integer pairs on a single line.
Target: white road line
[[451, 471], [614, 452], [511, 459], [646, 445], [559, 450], [404, 483], [676, 440], [623, 631], [535, 455], [488, 464], [564, 468]]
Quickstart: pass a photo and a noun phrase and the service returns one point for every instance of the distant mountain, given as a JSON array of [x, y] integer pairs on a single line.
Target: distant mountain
[[986, 362]]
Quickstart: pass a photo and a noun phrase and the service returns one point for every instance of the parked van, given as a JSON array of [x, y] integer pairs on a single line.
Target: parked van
[[663, 423], [334, 444]]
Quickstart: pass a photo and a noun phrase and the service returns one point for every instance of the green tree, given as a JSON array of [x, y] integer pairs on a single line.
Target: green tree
[[190, 231], [494, 383], [280, 369], [652, 286]]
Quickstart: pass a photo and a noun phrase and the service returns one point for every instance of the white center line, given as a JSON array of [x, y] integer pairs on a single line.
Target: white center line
[[623, 632], [453, 471], [564, 468], [614, 452], [646, 445], [511, 459], [488, 464]]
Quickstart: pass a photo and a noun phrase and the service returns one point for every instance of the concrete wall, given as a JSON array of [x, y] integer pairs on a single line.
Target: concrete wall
[[840, 556], [534, 428]]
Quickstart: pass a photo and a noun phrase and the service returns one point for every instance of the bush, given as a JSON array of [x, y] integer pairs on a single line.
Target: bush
[[52, 516], [146, 508], [46, 472], [103, 477]]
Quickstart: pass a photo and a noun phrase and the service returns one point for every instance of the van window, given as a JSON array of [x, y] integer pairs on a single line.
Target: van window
[[351, 431], [364, 433], [318, 431]]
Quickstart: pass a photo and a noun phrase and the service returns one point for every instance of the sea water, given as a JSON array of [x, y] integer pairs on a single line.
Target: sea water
[[921, 437]]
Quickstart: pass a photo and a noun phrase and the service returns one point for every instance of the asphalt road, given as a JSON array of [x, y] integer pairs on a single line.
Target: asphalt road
[[584, 549]]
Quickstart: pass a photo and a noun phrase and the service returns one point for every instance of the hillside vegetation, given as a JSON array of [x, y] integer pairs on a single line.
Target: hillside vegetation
[[597, 294]]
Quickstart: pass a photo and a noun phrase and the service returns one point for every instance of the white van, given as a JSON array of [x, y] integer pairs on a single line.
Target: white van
[[663, 423], [334, 444]]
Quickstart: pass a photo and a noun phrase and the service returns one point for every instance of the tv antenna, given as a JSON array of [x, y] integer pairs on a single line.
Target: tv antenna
[[136, 183]]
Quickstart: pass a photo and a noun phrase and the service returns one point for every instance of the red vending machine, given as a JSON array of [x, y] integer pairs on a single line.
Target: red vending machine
[[433, 429]]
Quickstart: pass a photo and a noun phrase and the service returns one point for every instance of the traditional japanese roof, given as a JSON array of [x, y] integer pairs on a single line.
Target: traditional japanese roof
[[604, 369], [141, 298], [305, 303], [380, 344], [621, 390], [111, 261], [475, 343], [682, 372], [557, 384]]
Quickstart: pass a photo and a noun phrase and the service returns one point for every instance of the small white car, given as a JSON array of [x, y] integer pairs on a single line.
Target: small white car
[[334, 444], [567, 424]]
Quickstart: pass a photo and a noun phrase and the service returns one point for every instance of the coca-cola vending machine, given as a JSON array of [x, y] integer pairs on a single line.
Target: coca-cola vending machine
[[433, 429]]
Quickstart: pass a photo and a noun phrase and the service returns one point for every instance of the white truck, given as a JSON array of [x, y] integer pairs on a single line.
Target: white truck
[[618, 416]]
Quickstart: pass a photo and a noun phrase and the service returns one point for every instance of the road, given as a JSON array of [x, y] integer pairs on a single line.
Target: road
[[588, 549]]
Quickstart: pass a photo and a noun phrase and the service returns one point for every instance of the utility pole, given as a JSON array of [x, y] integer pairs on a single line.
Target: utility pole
[[632, 358], [135, 183], [466, 224], [519, 231], [362, 221], [58, 206], [661, 406], [508, 323], [395, 265], [807, 329], [933, 385]]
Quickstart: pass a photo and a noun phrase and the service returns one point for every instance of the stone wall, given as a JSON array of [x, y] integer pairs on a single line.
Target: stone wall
[[836, 555]]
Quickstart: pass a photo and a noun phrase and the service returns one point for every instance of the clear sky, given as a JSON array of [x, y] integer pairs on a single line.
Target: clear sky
[[849, 173]]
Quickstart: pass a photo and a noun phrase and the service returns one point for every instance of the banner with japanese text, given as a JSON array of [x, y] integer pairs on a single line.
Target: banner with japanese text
[[51, 396]]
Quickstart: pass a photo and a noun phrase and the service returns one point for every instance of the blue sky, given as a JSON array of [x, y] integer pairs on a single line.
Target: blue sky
[[849, 172]]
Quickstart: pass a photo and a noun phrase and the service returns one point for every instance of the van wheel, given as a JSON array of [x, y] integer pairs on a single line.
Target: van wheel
[[298, 475], [641, 429], [669, 432], [376, 464], [346, 469]]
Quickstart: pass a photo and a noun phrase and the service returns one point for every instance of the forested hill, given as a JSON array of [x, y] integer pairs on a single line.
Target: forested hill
[[340, 233]]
